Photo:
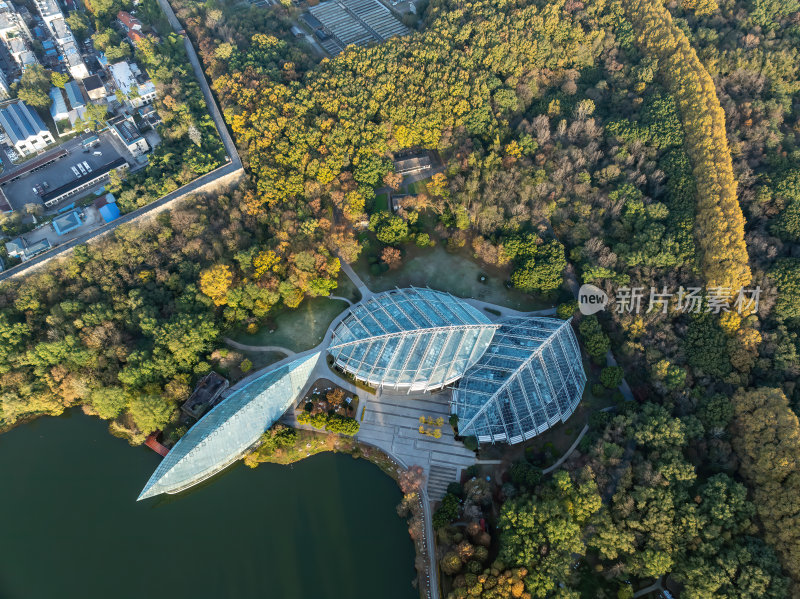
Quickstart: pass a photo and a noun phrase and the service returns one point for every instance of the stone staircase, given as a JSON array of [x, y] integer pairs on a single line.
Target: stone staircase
[[439, 476]]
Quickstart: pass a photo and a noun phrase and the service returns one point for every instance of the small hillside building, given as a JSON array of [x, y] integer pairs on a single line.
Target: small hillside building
[[134, 84], [124, 128], [94, 87]]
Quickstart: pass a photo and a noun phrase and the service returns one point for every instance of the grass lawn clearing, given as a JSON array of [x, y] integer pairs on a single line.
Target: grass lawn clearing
[[455, 272], [382, 202], [299, 329]]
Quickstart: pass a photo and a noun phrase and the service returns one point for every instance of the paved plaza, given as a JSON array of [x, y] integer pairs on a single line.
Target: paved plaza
[[392, 423]]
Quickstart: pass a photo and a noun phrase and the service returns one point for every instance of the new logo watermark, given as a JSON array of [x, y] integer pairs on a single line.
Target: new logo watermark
[[635, 300], [591, 299]]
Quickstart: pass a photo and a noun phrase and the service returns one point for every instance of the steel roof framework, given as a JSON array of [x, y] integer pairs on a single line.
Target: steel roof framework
[[530, 378], [412, 339]]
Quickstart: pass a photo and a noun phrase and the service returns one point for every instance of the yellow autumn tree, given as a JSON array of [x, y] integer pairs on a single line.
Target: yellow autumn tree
[[215, 282], [264, 262], [719, 223], [766, 437], [700, 7]]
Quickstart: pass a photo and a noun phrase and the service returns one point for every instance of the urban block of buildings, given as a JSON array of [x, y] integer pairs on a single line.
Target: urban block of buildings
[[54, 21]]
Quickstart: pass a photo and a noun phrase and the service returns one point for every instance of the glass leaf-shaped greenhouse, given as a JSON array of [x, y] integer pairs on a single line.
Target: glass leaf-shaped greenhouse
[[221, 436], [530, 378], [411, 339]]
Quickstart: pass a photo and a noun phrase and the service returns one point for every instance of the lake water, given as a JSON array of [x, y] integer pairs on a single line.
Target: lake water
[[70, 526]]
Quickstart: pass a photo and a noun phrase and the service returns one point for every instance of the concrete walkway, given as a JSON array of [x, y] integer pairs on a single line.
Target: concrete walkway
[[273, 348], [489, 309], [340, 298], [656, 586], [360, 285], [568, 453]]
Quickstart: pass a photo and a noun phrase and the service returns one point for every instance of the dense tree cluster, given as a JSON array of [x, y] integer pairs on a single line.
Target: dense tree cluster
[[333, 423], [766, 436], [719, 228], [126, 325], [190, 145], [545, 533]]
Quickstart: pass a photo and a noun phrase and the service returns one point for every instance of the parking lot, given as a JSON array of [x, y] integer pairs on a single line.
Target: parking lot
[[21, 191]]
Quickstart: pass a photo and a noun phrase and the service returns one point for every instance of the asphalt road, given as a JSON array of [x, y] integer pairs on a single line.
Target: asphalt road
[[231, 167], [125, 218]]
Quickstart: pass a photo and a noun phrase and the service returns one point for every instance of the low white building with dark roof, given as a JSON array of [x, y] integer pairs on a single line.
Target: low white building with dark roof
[[25, 129], [95, 88], [125, 129]]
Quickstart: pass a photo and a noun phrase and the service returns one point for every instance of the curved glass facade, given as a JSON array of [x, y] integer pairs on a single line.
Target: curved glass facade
[[411, 339], [530, 378], [225, 433]]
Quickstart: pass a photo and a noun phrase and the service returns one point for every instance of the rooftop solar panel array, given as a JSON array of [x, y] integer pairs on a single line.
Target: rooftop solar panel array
[[358, 22]]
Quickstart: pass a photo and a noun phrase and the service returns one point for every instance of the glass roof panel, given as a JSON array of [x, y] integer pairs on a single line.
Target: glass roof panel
[[230, 428], [429, 339], [530, 376]]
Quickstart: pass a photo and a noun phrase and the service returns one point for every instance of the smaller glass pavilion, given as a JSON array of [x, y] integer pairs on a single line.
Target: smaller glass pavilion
[[530, 378], [226, 432], [411, 339]]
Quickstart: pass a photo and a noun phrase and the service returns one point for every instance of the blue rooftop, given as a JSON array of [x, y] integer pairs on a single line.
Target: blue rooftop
[[65, 223], [74, 94], [110, 212], [20, 121]]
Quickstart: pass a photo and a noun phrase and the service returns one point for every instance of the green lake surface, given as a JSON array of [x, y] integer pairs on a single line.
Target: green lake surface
[[71, 527]]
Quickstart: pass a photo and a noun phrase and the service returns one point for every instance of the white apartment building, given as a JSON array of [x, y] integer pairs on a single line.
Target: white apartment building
[[125, 129], [135, 85]]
